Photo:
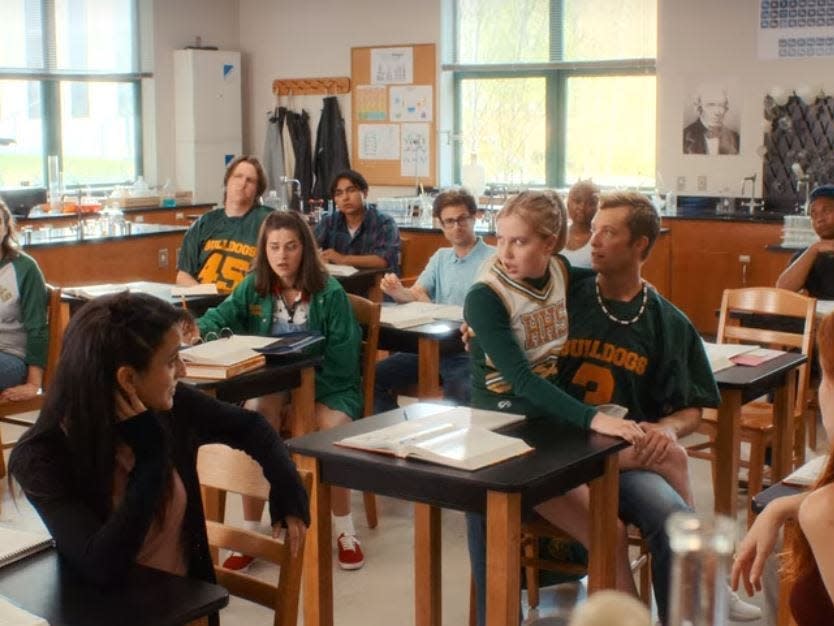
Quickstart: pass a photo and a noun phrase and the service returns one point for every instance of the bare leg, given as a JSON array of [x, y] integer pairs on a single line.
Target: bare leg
[[570, 513], [271, 407], [674, 469], [329, 418]]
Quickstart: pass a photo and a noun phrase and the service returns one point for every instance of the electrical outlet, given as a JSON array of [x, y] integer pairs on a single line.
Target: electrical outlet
[[702, 183], [163, 258], [743, 258], [681, 183]]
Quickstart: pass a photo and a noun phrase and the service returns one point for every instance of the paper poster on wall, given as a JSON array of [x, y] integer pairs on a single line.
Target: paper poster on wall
[[414, 139], [371, 103], [797, 29], [379, 142], [411, 103], [392, 66], [712, 117]]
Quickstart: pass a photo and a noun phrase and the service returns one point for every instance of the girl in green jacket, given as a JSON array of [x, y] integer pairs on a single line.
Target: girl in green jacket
[[288, 289]]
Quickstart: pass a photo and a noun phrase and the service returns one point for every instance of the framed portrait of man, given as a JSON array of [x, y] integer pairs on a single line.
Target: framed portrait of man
[[711, 119]]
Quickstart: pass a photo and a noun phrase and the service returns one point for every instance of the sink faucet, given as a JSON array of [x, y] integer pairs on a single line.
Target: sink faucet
[[752, 204]]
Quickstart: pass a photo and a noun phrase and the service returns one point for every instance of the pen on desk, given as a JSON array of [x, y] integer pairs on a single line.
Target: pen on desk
[[405, 414], [184, 303]]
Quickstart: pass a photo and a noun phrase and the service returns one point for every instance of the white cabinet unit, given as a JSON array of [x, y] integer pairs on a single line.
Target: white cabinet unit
[[207, 109]]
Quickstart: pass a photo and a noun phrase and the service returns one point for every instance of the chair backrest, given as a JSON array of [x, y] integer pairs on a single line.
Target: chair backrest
[[772, 301], [222, 467], [367, 314], [58, 316]]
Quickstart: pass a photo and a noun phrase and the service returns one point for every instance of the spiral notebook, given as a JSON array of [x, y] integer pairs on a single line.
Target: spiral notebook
[[18, 544]]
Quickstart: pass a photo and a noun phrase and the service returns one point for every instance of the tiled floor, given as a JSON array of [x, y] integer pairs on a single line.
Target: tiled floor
[[381, 593]]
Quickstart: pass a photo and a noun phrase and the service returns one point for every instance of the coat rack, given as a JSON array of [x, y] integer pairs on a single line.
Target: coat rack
[[311, 86]]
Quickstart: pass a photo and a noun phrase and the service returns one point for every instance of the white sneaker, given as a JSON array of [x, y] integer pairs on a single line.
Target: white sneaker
[[741, 611]]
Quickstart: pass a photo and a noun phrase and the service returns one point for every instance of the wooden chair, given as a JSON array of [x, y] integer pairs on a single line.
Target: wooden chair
[[757, 417], [10, 410], [367, 314], [221, 467], [531, 560]]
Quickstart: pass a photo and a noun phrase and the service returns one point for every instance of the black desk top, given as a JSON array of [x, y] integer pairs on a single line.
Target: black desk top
[[761, 376], [46, 586], [405, 339], [274, 376], [197, 304], [762, 499], [564, 458]]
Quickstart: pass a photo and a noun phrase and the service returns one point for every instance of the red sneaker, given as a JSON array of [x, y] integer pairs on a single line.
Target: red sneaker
[[238, 562], [350, 552]]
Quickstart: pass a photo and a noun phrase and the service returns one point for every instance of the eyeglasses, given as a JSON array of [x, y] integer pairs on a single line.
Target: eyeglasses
[[462, 221], [337, 193]]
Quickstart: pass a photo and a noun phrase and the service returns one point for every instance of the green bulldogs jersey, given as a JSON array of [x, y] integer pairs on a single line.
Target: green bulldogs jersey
[[219, 249], [655, 366]]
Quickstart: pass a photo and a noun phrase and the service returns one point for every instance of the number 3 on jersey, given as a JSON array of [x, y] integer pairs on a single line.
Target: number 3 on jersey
[[597, 381]]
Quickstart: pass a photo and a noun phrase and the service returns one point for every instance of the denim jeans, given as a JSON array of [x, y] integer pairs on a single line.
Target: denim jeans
[[12, 370], [400, 370], [646, 500]]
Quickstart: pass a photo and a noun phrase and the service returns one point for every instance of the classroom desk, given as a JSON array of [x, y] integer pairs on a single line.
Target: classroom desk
[[364, 282], [739, 385], [563, 458], [296, 374], [428, 341], [45, 585], [197, 304]]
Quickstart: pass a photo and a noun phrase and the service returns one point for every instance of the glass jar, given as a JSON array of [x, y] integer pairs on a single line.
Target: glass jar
[[702, 549]]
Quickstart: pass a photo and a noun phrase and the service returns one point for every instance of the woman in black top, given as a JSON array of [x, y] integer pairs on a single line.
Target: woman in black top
[[110, 465]]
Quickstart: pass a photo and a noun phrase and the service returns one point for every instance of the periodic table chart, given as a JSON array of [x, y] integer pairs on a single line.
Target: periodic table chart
[[796, 29]]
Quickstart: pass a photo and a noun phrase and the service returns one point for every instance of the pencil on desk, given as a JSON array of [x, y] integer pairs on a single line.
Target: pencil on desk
[[184, 303]]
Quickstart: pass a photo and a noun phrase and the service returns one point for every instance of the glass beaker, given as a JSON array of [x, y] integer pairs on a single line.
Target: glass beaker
[[702, 549]]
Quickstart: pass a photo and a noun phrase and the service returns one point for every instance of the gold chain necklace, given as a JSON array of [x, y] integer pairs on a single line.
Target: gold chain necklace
[[615, 319]]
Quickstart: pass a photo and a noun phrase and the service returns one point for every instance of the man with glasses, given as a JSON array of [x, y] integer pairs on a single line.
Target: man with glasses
[[445, 280], [357, 234], [812, 269]]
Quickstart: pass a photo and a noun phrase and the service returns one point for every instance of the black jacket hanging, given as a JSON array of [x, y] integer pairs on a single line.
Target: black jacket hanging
[[299, 127], [331, 154]]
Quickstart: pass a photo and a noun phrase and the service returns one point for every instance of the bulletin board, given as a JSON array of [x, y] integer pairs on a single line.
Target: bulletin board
[[393, 114]]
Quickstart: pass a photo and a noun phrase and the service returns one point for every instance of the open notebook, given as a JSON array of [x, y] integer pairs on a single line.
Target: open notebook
[[459, 437], [18, 544]]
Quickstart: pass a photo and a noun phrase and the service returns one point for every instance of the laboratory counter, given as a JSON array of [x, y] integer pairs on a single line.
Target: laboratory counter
[[107, 253]]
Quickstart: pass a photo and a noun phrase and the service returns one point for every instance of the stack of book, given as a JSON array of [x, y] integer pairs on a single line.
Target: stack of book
[[224, 358]]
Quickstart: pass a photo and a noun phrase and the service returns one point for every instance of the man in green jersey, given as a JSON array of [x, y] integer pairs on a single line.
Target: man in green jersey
[[219, 247]]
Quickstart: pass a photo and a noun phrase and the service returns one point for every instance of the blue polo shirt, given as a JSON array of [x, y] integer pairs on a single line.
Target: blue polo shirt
[[448, 277]]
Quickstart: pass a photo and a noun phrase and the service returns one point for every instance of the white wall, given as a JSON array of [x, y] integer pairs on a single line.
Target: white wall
[[717, 39]]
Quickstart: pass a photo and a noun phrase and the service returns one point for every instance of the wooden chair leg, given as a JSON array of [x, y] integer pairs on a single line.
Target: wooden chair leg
[[799, 442], [531, 572], [755, 472], [2, 458], [646, 575], [812, 427], [370, 508]]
